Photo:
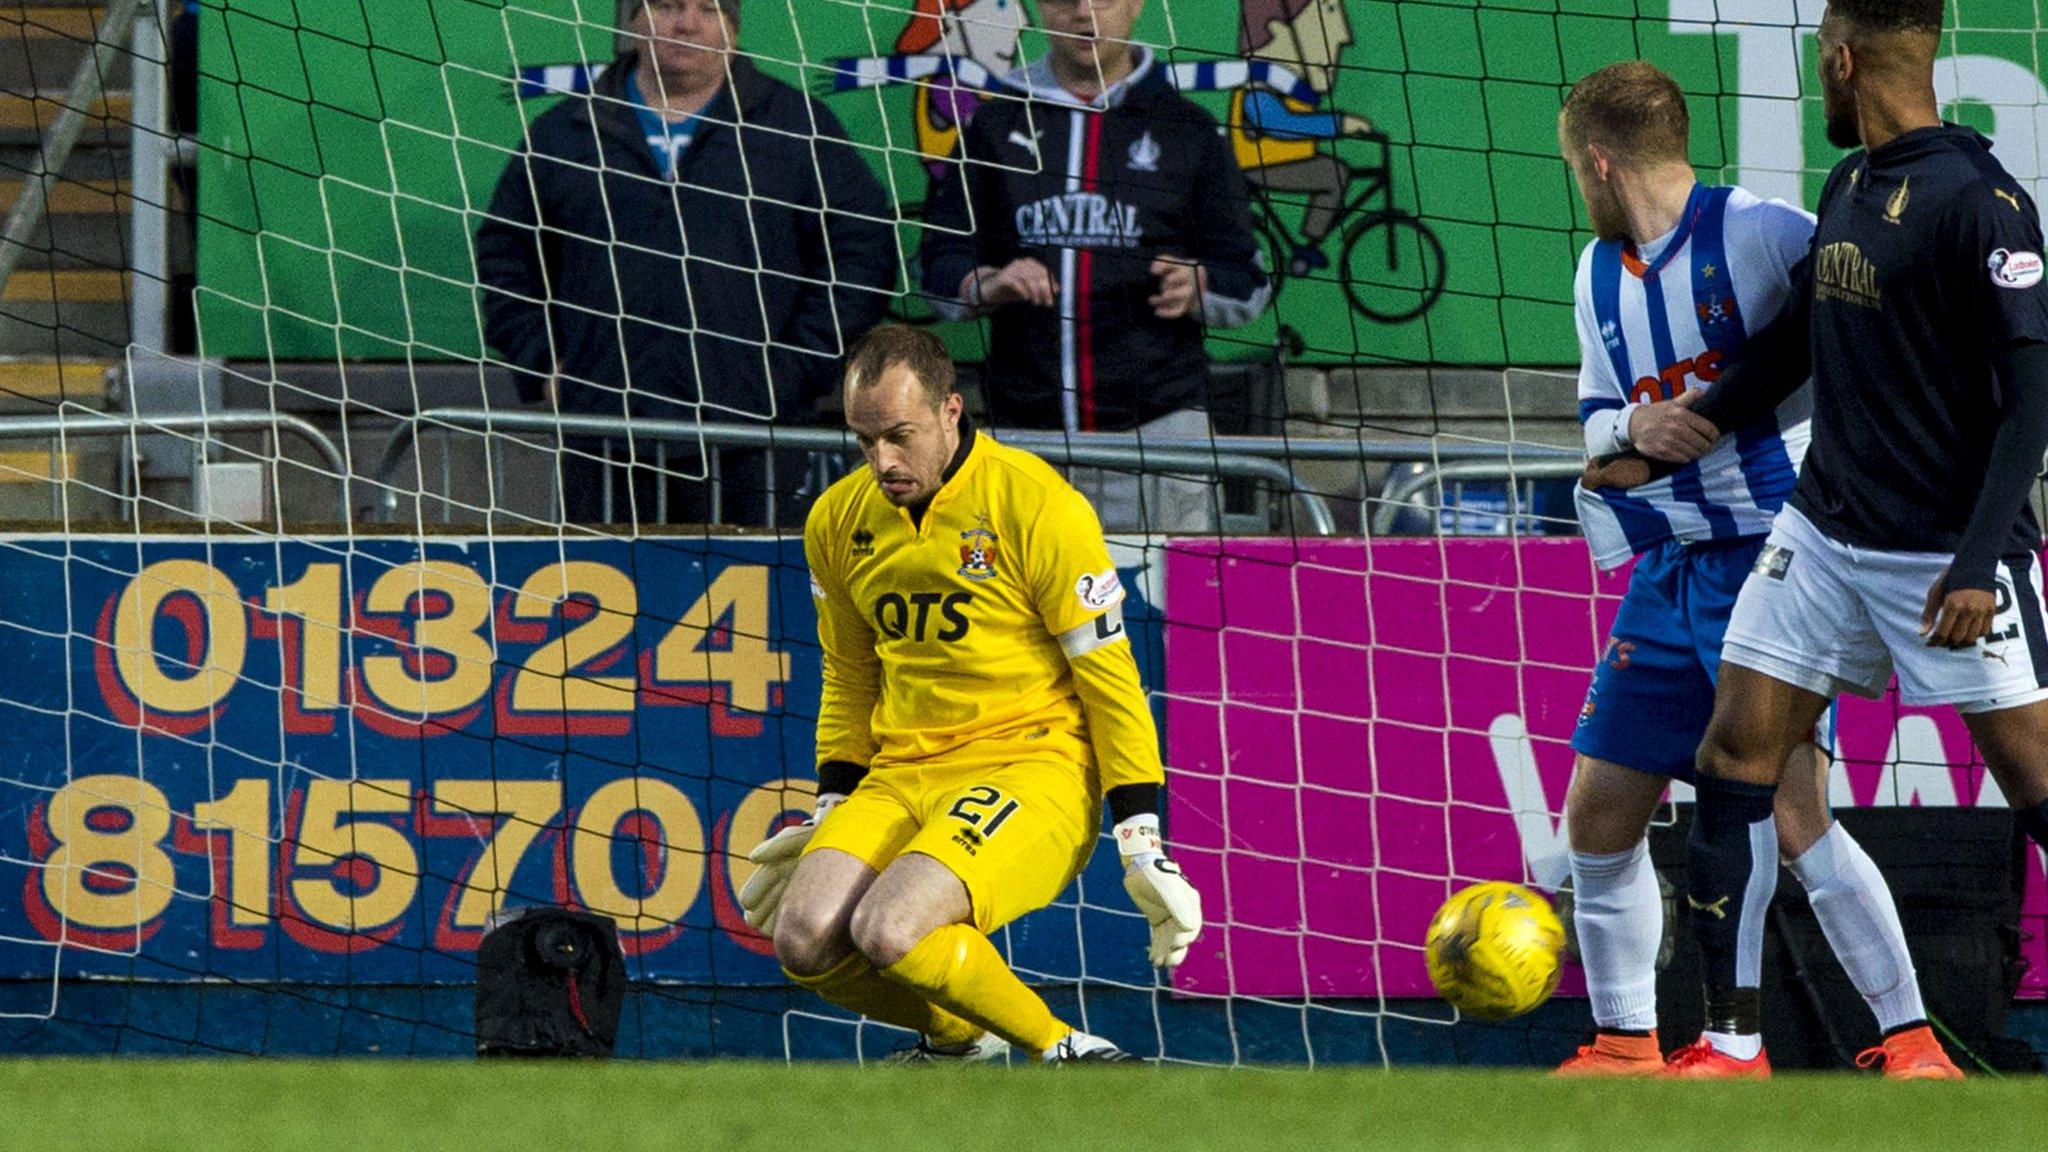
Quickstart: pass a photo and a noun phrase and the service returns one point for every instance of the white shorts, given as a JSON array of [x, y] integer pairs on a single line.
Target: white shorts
[[1831, 618]]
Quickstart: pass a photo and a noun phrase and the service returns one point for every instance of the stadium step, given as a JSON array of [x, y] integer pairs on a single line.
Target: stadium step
[[28, 490], [66, 286], [67, 196], [1404, 403], [36, 465], [30, 475], [26, 118], [95, 329], [32, 23], [41, 45], [32, 386], [43, 18], [67, 299], [93, 161], [85, 228]]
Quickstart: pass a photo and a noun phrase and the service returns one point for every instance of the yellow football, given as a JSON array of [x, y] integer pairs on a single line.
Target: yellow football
[[1494, 950]]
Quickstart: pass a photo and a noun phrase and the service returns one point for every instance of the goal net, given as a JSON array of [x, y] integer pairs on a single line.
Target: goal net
[[333, 626]]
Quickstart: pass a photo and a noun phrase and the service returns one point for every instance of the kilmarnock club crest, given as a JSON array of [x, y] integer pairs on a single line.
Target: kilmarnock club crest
[[978, 554]]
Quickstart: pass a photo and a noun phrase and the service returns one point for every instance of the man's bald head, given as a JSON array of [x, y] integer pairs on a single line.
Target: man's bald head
[[901, 406]]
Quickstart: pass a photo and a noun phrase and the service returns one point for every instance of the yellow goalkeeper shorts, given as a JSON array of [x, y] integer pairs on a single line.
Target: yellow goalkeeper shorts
[[1016, 834]]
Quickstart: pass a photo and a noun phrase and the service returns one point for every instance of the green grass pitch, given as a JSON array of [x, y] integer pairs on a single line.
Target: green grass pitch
[[422, 1106]]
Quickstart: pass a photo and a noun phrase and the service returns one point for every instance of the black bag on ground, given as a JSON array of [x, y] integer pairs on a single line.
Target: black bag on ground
[[549, 982]]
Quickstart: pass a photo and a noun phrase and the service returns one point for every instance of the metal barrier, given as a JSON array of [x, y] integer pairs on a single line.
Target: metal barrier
[[1347, 450], [1401, 491], [1258, 458], [86, 422], [1253, 457]]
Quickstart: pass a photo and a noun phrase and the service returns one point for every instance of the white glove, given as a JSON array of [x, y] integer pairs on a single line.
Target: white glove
[[1158, 889], [776, 858]]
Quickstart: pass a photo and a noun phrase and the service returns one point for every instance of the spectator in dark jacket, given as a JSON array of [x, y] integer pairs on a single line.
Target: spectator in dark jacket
[[692, 240], [1111, 229]]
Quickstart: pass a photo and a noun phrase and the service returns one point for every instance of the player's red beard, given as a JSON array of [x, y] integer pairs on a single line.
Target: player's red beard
[[1603, 209]]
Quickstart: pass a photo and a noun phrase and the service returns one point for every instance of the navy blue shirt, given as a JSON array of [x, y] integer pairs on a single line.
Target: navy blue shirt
[[1926, 264], [581, 257]]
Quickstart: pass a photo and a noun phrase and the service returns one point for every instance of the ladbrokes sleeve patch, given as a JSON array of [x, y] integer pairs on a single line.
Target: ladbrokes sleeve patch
[[2014, 269], [1100, 590]]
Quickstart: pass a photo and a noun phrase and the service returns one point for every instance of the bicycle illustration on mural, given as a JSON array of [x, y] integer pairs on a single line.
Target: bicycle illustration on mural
[[1305, 159]]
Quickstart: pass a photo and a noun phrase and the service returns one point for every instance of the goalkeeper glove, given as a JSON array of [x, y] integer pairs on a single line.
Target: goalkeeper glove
[[775, 859], [1158, 889]]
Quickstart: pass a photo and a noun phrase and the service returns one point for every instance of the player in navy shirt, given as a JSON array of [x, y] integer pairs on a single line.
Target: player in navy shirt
[[1908, 546]]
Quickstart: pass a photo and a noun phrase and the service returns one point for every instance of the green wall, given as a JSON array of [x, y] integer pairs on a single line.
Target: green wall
[[347, 147]]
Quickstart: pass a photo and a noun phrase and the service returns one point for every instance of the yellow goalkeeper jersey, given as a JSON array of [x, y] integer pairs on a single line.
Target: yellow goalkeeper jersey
[[991, 629]]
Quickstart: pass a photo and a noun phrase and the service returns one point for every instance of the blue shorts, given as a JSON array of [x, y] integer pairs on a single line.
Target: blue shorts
[[1653, 691]]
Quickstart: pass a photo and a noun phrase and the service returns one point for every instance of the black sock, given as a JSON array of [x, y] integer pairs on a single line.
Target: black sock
[[2034, 822], [1731, 874]]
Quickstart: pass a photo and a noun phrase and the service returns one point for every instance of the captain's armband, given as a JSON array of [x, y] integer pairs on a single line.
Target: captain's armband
[[1089, 635]]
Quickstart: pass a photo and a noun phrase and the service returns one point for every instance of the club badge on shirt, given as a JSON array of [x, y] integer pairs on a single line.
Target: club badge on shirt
[[1774, 561], [978, 554], [1145, 153]]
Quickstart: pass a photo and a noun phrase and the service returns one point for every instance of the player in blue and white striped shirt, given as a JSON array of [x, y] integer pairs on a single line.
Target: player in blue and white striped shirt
[[1679, 276], [1656, 322]]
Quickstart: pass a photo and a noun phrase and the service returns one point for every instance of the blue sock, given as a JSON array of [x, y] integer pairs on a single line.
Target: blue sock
[[1731, 874]]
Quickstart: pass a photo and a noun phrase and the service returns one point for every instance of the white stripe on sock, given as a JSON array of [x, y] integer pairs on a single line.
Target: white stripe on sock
[[1756, 903], [1860, 920]]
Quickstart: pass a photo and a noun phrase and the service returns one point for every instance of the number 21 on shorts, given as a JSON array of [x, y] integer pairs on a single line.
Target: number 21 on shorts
[[984, 809]]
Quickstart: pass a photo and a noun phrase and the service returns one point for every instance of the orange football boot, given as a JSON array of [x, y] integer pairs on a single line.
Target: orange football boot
[[1914, 1054], [1700, 1060], [1612, 1055]]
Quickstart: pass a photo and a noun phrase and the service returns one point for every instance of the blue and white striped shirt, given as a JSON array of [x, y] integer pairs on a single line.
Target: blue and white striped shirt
[[1655, 322]]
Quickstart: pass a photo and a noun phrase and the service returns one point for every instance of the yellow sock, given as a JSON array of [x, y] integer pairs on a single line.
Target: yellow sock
[[958, 969], [854, 983]]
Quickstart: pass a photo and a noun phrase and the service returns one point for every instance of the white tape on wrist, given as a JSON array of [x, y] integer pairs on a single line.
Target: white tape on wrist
[[1137, 840], [1621, 427]]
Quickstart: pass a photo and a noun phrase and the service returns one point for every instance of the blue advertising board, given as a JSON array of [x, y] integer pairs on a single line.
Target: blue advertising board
[[334, 760]]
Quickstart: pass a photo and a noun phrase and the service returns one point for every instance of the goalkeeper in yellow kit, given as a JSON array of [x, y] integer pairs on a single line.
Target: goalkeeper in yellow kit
[[980, 703]]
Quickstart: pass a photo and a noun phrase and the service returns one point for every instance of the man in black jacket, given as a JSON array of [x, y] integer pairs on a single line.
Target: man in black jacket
[[691, 241], [1099, 219]]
